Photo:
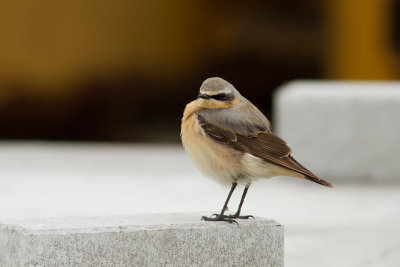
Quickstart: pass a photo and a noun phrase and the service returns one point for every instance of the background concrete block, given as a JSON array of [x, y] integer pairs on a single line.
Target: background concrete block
[[179, 239], [342, 131]]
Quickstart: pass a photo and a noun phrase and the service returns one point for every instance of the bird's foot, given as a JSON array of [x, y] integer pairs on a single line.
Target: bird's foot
[[235, 216], [218, 218]]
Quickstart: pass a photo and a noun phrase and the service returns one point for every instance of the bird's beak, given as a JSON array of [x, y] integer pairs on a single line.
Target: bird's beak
[[204, 96]]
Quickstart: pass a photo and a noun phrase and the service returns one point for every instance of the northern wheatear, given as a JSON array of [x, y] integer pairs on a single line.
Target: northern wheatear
[[230, 140]]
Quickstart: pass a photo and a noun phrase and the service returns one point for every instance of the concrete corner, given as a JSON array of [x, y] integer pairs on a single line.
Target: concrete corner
[[140, 240]]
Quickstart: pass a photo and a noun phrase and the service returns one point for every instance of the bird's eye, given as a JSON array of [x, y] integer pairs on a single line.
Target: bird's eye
[[221, 96]]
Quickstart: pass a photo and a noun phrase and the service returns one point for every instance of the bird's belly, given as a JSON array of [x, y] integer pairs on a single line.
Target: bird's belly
[[214, 160]]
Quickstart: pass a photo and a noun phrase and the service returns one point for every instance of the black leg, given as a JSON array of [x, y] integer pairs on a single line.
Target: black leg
[[221, 216], [237, 214], [242, 200]]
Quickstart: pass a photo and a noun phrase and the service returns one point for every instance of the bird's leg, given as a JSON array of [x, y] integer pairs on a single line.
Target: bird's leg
[[237, 214], [221, 217]]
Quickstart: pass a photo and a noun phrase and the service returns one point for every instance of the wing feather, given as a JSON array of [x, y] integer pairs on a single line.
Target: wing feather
[[256, 140]]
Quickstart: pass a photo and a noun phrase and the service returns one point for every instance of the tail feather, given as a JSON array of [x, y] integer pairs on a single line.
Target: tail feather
[[319, 181], [309, 175]]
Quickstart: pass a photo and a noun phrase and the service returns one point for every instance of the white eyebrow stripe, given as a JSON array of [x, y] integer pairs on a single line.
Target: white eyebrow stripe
[[226, 90]]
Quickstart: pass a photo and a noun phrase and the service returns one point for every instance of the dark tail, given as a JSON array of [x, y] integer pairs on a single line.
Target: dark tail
[[307, 174], [317, 180]]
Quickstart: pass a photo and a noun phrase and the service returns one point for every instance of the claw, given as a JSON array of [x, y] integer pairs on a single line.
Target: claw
[[245, 217], [235, 216], [219, 219]]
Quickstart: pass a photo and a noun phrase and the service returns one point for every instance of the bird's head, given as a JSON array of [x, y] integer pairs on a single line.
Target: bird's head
[[217, 93]]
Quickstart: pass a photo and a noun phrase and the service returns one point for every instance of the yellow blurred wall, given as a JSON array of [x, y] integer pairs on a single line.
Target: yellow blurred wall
[[48, 42], [358, 44]]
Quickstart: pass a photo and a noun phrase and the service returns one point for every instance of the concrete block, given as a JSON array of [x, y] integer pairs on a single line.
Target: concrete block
[[342, 131], [179, 239]]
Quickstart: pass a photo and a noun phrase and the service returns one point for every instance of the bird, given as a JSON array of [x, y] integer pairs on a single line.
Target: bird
[[230, 140]]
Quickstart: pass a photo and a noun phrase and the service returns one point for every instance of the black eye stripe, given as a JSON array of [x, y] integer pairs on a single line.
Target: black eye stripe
[[219, 97], [223, 97], [204, 96]]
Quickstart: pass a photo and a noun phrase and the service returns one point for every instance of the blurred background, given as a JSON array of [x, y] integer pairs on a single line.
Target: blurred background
[[123, 71]]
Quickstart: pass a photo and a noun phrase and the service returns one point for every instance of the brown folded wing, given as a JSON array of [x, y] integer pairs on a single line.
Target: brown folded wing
[[262, 144]]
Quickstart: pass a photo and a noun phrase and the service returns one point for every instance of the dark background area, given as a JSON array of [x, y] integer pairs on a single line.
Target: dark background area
[[124, 71]]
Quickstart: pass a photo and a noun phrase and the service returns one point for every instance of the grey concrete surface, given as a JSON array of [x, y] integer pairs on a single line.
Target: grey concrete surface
[[342, 131], [350, 225], [175, 239]]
